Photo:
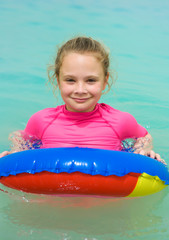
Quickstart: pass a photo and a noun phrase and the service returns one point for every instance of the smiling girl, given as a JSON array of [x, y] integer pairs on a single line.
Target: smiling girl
[[81, 72]]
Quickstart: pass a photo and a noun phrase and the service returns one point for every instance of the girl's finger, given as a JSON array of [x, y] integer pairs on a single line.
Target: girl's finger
[[157, 156], [151, 154], [142, 152], [138, 151], [162, 160], [3, 154]]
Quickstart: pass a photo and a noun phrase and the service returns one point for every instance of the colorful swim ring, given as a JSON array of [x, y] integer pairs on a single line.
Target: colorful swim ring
[[83, 171]]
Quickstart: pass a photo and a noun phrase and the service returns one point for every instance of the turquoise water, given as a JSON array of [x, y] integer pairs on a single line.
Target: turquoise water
[[137, 34]]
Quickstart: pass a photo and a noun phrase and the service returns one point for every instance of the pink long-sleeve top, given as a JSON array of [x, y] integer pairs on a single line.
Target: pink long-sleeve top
[[104, 127]]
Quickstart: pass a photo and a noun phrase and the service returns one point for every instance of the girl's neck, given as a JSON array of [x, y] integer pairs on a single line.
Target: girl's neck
[[70, 113]]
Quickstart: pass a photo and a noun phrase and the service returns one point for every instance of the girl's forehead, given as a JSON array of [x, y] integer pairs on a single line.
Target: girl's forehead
[[85, 55], [81, 65], [77, 60]]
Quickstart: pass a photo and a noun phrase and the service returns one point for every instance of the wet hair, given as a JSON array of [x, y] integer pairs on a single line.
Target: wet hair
[[80, 45]]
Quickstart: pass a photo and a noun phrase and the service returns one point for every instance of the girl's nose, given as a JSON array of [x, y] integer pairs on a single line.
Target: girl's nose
[[80, 88]]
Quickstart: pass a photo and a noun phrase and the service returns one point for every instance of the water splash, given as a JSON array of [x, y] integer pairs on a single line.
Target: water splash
[[137, 144], [21, 141]]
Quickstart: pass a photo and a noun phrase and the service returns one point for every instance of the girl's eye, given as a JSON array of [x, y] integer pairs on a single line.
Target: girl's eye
[[70, 80], [91, 80]]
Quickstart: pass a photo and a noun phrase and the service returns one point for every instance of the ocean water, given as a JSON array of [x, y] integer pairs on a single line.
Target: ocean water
[[137, 35]]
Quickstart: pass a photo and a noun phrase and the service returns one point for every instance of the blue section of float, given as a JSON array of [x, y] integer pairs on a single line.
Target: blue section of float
[[85, 160]]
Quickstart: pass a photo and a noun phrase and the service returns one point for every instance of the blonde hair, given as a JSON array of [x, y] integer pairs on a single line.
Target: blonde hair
[[80, 45]]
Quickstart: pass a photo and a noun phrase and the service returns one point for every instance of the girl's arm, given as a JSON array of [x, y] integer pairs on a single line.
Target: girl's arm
[[144, 146]]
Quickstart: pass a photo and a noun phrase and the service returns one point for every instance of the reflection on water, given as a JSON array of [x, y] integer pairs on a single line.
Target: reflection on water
[[123, 217]]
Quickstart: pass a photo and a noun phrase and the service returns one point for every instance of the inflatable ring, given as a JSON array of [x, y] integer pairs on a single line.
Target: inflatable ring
[[83, 171]]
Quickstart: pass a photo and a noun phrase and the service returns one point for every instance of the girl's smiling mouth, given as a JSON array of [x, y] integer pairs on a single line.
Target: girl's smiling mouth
[[80, 100]]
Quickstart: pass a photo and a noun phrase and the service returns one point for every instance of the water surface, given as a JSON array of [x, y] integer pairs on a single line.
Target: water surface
[[137, 34]]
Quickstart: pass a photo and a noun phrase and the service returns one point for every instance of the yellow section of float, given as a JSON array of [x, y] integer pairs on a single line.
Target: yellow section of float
[[146, 185]]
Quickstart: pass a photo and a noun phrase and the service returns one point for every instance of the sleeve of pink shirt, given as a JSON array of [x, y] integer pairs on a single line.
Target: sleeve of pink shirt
[[32, 130], [123, 123], [29, 138], [128, 127]]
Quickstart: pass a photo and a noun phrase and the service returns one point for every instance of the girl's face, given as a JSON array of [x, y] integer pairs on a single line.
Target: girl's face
[[81, 81]]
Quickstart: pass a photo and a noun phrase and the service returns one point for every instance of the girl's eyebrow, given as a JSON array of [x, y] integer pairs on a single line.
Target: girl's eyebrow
[[92, 76], [72, 76], [67, 75]]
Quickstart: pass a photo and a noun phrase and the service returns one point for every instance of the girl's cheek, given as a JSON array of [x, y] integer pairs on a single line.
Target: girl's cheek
[[66, 87]]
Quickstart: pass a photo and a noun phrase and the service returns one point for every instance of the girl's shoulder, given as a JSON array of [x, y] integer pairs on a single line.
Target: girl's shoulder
[[110, 109], [121, 116], [47, 112], [124, 123], [39, 120]]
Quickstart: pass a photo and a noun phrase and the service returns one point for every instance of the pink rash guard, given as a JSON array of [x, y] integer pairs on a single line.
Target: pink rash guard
[[104, 127]]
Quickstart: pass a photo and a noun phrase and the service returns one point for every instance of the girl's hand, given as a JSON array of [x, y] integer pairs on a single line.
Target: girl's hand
[[152, 154], [144, 147], [5, 153]]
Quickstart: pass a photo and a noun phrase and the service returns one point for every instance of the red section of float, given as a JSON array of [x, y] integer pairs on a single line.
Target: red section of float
[[73, 183]]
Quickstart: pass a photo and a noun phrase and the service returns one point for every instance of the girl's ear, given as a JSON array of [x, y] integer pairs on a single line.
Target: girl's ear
[[106, 80]]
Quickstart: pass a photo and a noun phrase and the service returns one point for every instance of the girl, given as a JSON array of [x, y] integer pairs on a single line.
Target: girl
[[81, 72]]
